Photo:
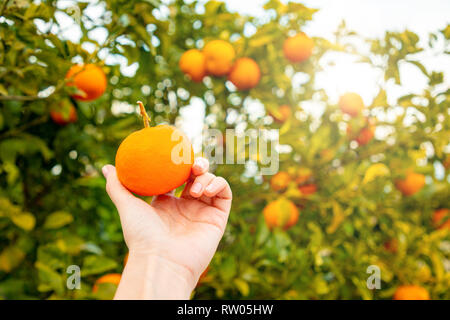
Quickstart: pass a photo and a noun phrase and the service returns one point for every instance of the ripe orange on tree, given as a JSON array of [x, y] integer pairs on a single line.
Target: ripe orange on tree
[[411, 292], [245, 74], [193, 63], [281, 213], [365, 135], [282, 114], [62, 117], [441, 218], [280, 181], [411, 184], [298, 48], [89, 79], [219, 57], [154, 160], [113, 278], [308, 189], [391, 245], [351, 103]]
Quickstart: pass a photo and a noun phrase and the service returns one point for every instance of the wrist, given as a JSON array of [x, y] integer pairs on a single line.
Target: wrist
[[150, 276]]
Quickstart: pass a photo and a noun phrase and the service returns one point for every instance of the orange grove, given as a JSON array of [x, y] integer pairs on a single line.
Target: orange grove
[[193, 63], [219, 57], [61, 118], [298, 48], [411, 292], [89, 79], [351, 103], [441, 218], [281, 213], [245, 74], [113, 278], [280, 181], [411, 184]]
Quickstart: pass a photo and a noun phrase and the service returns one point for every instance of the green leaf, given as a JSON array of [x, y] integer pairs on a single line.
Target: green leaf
[[24, 220], [10, 258], [57, 220], [94, 264], [242, 286]]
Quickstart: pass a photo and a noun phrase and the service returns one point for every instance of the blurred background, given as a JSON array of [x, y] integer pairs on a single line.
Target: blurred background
[[363, 178]]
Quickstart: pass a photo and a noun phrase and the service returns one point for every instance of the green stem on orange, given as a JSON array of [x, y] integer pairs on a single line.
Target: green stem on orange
[[144, 114]]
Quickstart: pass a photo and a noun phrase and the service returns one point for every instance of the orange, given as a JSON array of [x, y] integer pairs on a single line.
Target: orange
[[282, 114], [219, 57], [365, 135], [308, 189], [113, 278], [154, 160], [281, 213], [411, 292], [391, 245], [61, 117], [245, 74], [193, 63], [441, 218], [202, 276], [447, 162], [298, 48], [411, 184], [280, 181], [89, 79], [351, 103]]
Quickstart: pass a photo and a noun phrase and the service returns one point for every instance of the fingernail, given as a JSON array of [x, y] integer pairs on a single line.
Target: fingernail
[[201, 163], [196, 188], [210, 188], [105, 171]]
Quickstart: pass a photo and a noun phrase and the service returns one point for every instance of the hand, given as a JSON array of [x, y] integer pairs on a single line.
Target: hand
[[172, 240]]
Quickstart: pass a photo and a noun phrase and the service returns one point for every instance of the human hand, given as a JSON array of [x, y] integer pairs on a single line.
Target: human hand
[[172, 240]]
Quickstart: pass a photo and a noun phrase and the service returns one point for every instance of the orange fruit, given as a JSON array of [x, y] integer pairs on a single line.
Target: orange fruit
[[113, 278], [245, 74], [281, 213], [411, 184], [411, 292], [280, 181], [219, 57], [283, 113], [351, 103], [391, 245], [308, 189], [303, 175], [441, 218], [298, 48], [61, 117], [154, 160], [89, 79], [447, 162], [365, 135], [193, 63]]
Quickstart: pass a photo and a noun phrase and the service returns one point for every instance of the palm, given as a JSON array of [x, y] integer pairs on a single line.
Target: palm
[[187, 229]]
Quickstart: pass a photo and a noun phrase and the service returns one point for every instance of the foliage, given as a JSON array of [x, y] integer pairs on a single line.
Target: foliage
[[54, 211]]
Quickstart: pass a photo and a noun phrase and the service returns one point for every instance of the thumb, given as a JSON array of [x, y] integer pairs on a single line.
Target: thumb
[[119, 195]]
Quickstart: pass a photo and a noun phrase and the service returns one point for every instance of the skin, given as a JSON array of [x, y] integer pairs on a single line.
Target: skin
[[172, 240]]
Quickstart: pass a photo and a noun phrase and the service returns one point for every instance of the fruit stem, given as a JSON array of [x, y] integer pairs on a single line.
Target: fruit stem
[[144, 114]]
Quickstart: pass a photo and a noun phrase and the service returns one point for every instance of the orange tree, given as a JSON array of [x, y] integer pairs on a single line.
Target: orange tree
[[357, 199]]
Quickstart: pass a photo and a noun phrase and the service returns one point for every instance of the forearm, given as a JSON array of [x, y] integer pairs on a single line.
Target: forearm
[[153, 278]]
